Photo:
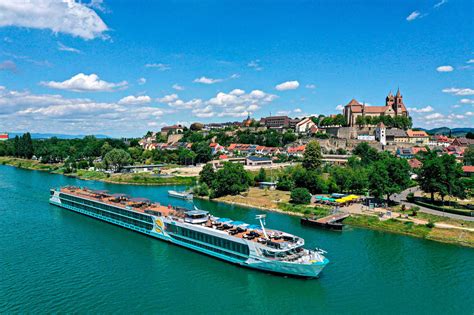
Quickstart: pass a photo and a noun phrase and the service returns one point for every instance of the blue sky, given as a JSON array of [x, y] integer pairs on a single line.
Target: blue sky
[[124, 67]]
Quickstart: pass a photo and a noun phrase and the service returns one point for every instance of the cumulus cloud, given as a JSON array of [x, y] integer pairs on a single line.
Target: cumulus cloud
[[340, 107], [178, 87], [288, 85], [63, 47], [206, 80], [85, 83], [141, 81], [159, 66], [426, 109], [413, 16], [470, 61], [135, 100], [444, 69], [469, 113], [8, 65], [297, 110], [467, 101], [459, 91], [438, 4], [168, 98], [69, 17], [23, 110], [310, 86], [255, 64], [434, 116]]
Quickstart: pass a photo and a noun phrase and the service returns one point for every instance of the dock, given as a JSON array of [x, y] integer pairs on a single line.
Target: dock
[[331, 222]]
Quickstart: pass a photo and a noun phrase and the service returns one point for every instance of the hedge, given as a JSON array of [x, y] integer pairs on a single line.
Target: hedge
[[449, 210]]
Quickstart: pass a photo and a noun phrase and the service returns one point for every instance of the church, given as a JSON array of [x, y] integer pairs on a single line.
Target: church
[[394, 106]]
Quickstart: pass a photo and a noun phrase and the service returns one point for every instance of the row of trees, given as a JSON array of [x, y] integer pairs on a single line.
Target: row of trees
[[400, 122]]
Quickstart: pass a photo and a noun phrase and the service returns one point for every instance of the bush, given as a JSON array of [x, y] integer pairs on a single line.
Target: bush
[[201, 190], [410, 196], [300, 196], [430, 224]]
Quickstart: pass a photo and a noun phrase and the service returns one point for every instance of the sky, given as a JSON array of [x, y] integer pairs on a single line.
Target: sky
[[122, 68]]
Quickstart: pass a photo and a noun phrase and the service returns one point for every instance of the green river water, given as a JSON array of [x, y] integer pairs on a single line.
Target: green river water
[[53, 260]]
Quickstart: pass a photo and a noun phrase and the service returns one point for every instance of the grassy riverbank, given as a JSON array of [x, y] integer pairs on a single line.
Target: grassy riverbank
[[453, 236], [131, 179]]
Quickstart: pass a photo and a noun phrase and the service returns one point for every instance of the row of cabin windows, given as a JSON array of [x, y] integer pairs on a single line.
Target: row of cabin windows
[[209, 239], [110, 208], [117, 217], [209, 248]]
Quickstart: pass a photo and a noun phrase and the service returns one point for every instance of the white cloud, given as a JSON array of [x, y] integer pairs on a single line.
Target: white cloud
[[339, 107], [458, 91], [297, 110], [466, 101], [85, 83], [426, 109], [205, 112], [135, 100], [255, 64], [470, 61], [141, 81], [159, 66], [469, 113], [168, 98], [288, 85], [237, 92], [63, 47], [434, 116], [67, 17], [444, 69], [8, 65], [206, 80], [310, 86], [414, 15], [235, 76], [437, 5], [178, 87]]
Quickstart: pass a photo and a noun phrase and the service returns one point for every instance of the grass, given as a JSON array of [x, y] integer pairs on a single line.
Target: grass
[[136, 179], [29, 164], [304, 209], [454, 236]]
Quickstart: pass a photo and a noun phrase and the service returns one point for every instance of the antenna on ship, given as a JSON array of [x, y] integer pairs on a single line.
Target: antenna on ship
[[261, 218]]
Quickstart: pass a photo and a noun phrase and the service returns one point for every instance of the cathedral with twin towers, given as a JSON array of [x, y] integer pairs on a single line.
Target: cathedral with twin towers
[[394, 106]]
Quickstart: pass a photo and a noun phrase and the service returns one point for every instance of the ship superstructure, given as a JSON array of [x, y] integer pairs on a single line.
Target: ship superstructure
[[249, 245]]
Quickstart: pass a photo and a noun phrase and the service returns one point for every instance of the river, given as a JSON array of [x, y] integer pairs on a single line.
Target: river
[[53, 260]]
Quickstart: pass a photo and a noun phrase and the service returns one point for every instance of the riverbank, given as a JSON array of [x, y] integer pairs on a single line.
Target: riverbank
[[129, 179]]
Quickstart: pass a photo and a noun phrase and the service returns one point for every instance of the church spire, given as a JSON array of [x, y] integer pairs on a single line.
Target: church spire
[[398, 92]]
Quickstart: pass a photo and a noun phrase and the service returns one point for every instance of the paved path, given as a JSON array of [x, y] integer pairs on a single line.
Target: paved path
[[402, 199]]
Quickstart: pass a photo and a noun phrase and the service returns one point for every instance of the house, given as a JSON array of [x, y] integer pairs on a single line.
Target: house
[[468, 170], [142, 168], [440, 141], [296, 151], [3, 136], [409, 153], [220, 163], [415, 163], [216, 147], [418, 137], [275, 121], [462, 142], [304, 125], [394, 135], [171, 129], [258, 161]]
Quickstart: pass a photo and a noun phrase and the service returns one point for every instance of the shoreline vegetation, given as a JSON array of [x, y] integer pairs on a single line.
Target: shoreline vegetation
[[277, 201], [128, 179]]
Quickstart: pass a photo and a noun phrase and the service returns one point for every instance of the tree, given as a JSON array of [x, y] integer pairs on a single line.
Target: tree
[[469, 155], [207, 174], [261, 176], [196, 126], [312, 157], [470, 135], [232, 179], [300, 196], [366, 153], [430, 173], [186, 157], [388, 176], [117, 158], [203, 152]]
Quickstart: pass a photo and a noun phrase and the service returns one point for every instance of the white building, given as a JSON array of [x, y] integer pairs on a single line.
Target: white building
[[305, 125], [381, 133]]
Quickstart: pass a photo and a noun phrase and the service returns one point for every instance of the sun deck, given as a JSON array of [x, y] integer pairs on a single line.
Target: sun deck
[[275, 239]]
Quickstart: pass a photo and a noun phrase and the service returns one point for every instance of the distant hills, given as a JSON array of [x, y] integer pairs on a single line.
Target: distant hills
[[455, 132], [51, 135]]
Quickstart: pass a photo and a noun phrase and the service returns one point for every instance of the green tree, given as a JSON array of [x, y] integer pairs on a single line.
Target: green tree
[[203, 152], [232, 179], [117, 158], [469, 155], [312, 157], [366, 153], [388, 176], [261, 176], [300, 196], [207, 174]]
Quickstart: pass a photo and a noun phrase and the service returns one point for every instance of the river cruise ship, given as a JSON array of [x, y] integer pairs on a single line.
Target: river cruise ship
[[249, 245]]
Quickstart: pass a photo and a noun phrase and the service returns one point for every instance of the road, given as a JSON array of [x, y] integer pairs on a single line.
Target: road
[[402, 199]]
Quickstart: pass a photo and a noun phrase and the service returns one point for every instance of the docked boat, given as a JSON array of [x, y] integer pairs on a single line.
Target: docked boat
[[330, 222], [248, 245], [180, 194]]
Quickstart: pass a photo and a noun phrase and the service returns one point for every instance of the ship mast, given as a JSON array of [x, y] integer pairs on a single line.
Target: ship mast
[[261, 218]]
